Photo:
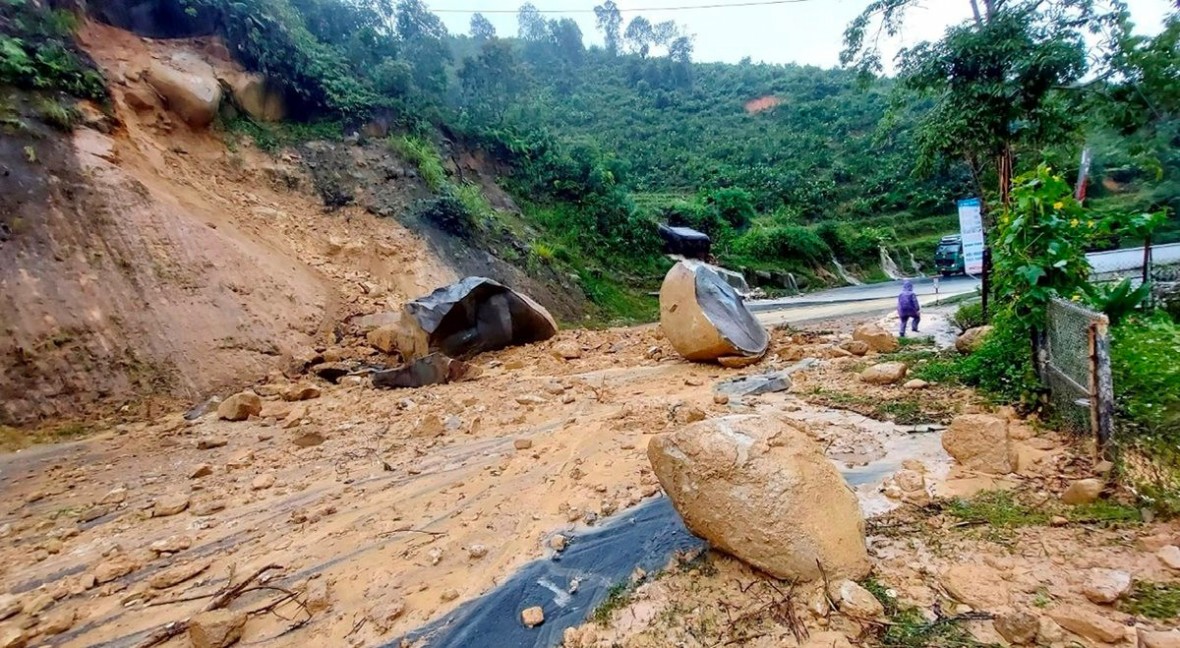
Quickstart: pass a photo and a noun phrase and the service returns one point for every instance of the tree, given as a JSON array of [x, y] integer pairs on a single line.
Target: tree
[[639, 36], [532, 26], [423, 38], [610, 22], [482, 29], [680, 50], [664, 33], [567, 38], [490, 81]]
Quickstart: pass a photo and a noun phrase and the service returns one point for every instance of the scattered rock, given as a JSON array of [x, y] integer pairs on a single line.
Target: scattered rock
[[522, 444], [263, 482], [207, 507], [1019, 628], [971, 339], [113, 568], [318, 596], [705, 319], [39, 603], [855, 347], [200, 470], [11, 637], [384, 338], [761, 490], [57, 622], [433, 369], [449, 594], [383, 615], [477, 551], [1049, 632], [721, 399], [1107, 585], [916, 384], [980, 442], [767, 383], [1170, 556], [300, 393], [558, 543], [170, 505], [567, 350], [856, 601], [210, 442], [308, 439], [240, 407], [216, 628], [1082, 491], [253, 93], [1165, 639], [1087, 624], [532, 617], [886, 373], [10, 606], [877, 338], [243, 459], [177, 575], [171, 544]]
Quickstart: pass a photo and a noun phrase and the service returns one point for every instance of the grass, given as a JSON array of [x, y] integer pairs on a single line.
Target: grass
[[619, 304], [1153, 600], [273, 138], [1003, 511], [907, 409], [423, 155], [57, 113], [12, 438], [617, 598], [908, 627]]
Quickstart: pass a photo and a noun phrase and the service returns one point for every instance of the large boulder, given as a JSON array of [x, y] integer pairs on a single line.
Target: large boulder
[[259, 98], [971, 339], [189, 86], [886, 373], [706, 320], [468, 317], [877, 338], [760, 489], [980, 442]]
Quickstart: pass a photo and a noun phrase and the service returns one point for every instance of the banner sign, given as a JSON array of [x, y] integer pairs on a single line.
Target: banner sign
[[971, 230]]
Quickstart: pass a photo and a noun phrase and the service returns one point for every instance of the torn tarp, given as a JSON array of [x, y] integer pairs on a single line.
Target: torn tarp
[[469, 317]]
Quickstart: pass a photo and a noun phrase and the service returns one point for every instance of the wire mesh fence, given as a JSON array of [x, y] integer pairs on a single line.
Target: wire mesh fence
[[1075, 366]]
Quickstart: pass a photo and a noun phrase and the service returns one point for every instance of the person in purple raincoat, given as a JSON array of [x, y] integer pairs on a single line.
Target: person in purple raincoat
[[908, 307]]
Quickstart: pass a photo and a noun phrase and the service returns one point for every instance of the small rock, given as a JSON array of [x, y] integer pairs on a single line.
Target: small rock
[[207, 507], [10, 606], [522, 444], [477, 551], [1048, 632], [383, 615], [1058, 521], [263, 482], [886, 373], [109, 570], [532, 617], [721, 399], [971, 339], [241, 460], [240, 406], [177, 575], [530, 399], [856, 601], [39, 604], [1019, 628], [568, 398], [300, 393], [1082, 491], [1166, 639], [1107, 585], [1087, 624], [855, 347], [916, 384], [58, 622], [170, 505], [449, 594], [13, 638], [558, 543], [318, 596], [567, 350], [216, 628], [980, 442], [200, 470], [172, 544], [1170, 556], [308, 439], [210, 442]]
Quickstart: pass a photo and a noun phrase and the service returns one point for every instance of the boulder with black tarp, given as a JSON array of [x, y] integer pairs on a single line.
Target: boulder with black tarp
[[685, 241], [706, 320], [470, 316]]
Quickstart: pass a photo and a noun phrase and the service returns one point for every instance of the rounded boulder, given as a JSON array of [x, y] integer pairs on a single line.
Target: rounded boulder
[[706, 320]]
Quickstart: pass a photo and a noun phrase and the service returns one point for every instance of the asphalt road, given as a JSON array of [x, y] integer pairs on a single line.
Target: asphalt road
[[880, 297]]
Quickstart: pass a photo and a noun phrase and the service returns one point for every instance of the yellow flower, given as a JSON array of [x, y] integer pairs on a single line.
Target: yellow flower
[[1093, 224], [1058, 205], [1073, 222]]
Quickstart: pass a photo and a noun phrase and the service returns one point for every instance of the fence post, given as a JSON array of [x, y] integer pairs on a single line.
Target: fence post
[[1101, 385]]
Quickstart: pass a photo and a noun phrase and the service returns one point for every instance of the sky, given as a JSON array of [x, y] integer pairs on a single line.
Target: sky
[[807, 32]]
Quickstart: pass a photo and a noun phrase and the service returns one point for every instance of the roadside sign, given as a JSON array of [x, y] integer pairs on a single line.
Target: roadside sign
[[971, 230]]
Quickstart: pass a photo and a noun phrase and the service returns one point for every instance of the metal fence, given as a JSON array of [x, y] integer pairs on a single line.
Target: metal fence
[[1074, 363]]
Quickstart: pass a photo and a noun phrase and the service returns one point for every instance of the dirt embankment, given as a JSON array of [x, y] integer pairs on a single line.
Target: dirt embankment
[[143, 258]]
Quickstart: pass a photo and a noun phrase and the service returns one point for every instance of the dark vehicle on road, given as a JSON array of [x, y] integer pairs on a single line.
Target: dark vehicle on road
[[948, 256]]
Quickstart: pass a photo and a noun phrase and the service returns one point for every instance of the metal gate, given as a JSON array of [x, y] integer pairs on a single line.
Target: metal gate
[[1075, 366]]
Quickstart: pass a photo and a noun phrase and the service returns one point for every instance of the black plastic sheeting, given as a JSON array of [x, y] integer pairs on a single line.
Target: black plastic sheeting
[[727, 311], [645, 537], [478, 314]]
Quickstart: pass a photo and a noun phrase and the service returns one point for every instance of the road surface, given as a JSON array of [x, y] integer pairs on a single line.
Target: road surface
[[881, 297]]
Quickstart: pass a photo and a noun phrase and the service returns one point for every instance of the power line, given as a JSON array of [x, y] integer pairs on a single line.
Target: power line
[[735, 5]]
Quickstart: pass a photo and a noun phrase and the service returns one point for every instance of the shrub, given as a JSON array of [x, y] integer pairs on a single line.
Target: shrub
[[859, 245], [1147, 383], [785, 242], [37, 52], [969, 316], [732, 205], [423, 155], [1002, 366], [447, 212]]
